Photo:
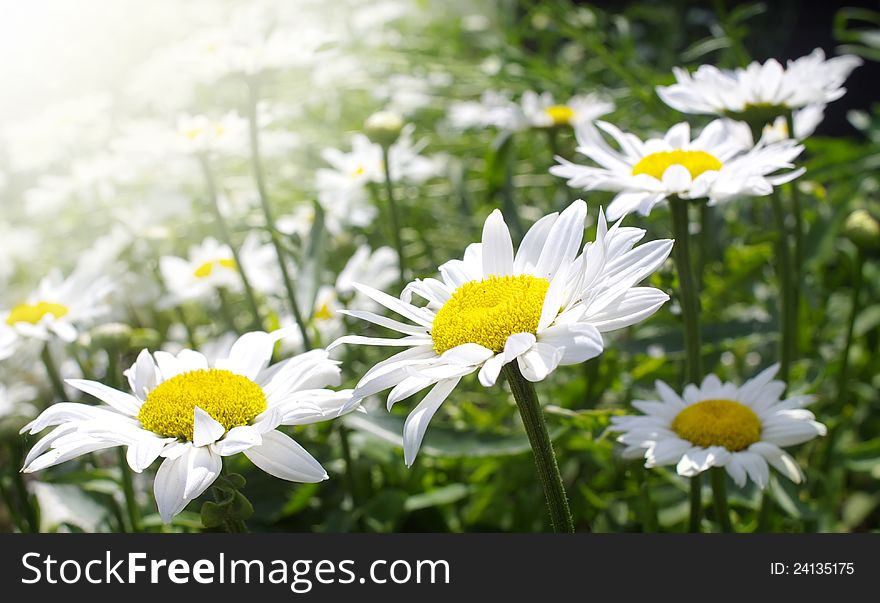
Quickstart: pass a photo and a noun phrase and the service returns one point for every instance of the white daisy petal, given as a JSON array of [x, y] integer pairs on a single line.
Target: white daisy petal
[[417, 421], [124, 403], [206, 430], [497, 246], [283, 458]]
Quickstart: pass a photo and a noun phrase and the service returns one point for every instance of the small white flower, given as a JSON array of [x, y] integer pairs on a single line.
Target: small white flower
[[809, 80], [57, 308], [720, 164], [542, 111], [342, 188], [721, 425], [544, 306], [192, 413], [493, 110], [210, 266]]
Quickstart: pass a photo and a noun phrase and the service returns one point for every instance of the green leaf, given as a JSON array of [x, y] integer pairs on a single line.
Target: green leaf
[[444, 441], [434, 498], [212, 514]]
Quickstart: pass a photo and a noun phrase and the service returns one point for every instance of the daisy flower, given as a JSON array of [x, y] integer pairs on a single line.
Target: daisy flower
[[542, 111], [763, 92], [493, 110], [210, 266], [57, 308], [742, 429], [720, 164], [192, 414], [544, 306]]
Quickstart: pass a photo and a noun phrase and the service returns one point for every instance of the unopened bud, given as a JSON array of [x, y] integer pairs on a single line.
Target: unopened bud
[[111, 336], [383, 127], [863, 230]]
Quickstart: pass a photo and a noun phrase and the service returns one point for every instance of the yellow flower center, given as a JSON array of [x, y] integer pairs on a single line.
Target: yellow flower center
[[230, 399], [323, 313], [34, 313], [696, 162], [561, 115], [487, 312], [206, 269], [725, 423]]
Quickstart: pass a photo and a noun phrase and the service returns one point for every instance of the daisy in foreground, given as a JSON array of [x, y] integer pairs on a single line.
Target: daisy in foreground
[[740, 428], [192, 415], [720, 164], [526, 312]]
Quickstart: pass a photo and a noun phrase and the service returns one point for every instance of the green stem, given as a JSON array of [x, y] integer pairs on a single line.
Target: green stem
[[785, 286], [214, 203], [797, 269], [131, 506], [719, 494], [263, 193], [52, 371], [349, 469], [649, 513], [706, 216], [226, 310], [395, 218], [766, 510], [178, 309], [696, 504], [508, 199], [689, 296], [843, 375], [542, 448]]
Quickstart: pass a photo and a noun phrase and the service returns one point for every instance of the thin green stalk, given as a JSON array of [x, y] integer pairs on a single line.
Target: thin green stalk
[[223, 228], [6, 495], [263, 193], [52, 371], [31, 514], [785, 286], [649, 513], [719, 495], [190, 334], [226, 310], [125, 473], [843, 375], [395, 218], [706, 216], [766, 511], [349, 470], [131, 507], [542, 448], [689, 295], [181, 313], [696, 504], [798, 248], [508, 198]]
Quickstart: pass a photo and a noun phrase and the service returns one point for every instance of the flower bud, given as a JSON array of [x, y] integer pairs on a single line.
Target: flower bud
[[111, 336], [383, 127], [863, 230]]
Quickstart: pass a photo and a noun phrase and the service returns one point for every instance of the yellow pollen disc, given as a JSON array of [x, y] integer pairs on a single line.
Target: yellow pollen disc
[[725, 423], [359, 171], [34, 313], [192, 133], [230, 399], [487, 312], [206, 269], [696, 162], [560, 114], [323, 313]]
